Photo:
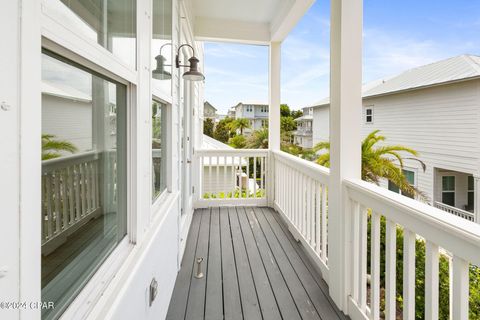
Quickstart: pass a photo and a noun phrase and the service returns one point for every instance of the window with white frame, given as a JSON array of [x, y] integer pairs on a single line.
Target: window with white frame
[[159, 149], [264, 123], [369, 114], [112, 24], [249, 108], [448, 190], [84, 181]]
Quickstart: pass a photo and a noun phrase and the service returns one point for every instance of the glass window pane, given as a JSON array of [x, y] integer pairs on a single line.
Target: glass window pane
[[471, 184], [448, 183], [471, 199], [159, 149], [410, 175], [393, 187], [83, 177], [111, 23], [162, 40], [448, 198]]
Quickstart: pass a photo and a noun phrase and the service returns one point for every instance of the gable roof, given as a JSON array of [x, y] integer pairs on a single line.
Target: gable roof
[[206, 103], [459, 68]]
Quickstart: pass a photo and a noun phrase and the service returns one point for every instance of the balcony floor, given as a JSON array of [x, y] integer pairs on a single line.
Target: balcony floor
[[254, 269]]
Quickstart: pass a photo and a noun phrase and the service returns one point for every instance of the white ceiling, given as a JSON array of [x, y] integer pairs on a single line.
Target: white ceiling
[[247, 21], [263, 11]]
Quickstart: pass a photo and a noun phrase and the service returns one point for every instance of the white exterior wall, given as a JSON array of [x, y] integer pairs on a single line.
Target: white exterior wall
[[321, 124], [156, 232], [225, 182], [441, 123]]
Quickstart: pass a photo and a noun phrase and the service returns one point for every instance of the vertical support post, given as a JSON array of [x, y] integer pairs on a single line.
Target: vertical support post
[[141, 121], [345, 153], [273, 113], [476, 194]]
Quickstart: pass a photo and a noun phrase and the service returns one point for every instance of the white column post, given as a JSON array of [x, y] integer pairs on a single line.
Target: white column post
[[142, 122], [274, 97], [476, 194], [273, 112], [345, 153]]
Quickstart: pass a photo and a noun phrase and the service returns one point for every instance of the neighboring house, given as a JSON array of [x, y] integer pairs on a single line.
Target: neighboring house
[[256, 113], [209, 111], [303, 135], [231, 112], [434, 109]]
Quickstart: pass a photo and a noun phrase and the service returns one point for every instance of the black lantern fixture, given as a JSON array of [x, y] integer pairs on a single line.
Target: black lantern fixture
[[192, 74]]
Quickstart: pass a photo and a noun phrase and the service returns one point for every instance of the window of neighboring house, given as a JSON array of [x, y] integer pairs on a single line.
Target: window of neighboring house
[[369, 115], [112, 24], [264, 123], [249, 108], [159, 149], [471, 193], [84, 181], [448, 190], [410, 175]]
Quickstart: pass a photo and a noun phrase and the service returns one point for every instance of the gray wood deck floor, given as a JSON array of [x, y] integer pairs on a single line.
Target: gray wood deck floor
[[253, 267]]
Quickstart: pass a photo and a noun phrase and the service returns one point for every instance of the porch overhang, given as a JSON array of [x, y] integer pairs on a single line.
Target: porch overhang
[[248, 21]]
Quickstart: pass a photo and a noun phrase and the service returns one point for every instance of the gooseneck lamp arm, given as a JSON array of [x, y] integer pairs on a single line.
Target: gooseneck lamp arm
[[177, 58]]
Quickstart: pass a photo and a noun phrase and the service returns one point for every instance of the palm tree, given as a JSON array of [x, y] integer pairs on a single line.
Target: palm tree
[[258, 140], [240, 124], [380, 162], [51, 147]]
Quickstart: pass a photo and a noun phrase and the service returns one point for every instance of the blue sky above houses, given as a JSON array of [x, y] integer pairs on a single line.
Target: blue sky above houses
[[398, 35]]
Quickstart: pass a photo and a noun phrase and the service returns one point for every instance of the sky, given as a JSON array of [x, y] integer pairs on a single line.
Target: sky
[[398, 35]]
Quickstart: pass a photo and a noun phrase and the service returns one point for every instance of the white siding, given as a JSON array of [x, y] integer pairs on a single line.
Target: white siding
[[321, 124], [213, 183], [68, 120], [441, 123]]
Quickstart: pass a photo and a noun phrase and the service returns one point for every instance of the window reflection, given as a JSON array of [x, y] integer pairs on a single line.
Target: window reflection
[[111, 23], [83, 177], [162, 36], [159, 149]]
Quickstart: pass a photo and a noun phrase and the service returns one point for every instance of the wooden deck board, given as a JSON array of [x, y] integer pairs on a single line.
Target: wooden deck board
[[253, 267]]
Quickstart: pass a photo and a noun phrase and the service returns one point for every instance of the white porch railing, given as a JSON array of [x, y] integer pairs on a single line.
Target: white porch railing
[[70, 192], [455, 211], [299, 192], [232, 176], [301, 196], [438, 232]]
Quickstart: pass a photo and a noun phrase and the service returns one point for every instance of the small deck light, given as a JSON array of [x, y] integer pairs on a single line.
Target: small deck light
[[192, 74]]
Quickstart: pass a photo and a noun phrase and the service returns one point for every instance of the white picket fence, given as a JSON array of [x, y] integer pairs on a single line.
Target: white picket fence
[[70, 193]]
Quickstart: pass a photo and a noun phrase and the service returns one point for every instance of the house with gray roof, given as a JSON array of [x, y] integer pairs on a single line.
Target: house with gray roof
[[434, 109]]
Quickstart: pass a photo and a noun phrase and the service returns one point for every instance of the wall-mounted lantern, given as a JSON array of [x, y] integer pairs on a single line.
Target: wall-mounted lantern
[[192, 74]]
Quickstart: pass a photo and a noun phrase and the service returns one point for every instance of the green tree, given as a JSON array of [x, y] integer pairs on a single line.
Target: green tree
[[287, 124], [296, 114], [52, 147], [258, 139], [238, 142], [208, 127], [240, 124], [222, 130], [380, 162], [284, 110]]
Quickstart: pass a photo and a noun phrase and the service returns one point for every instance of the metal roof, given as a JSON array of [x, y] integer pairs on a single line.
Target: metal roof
[[459, 68]]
